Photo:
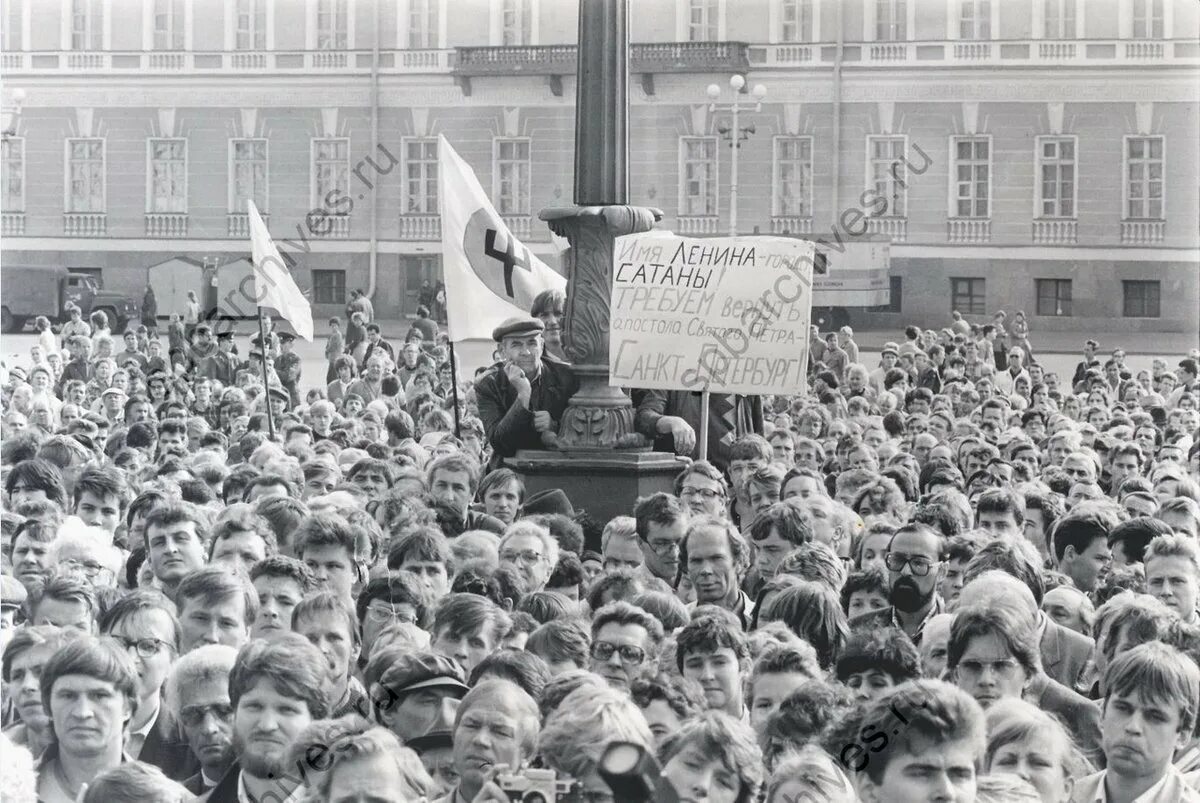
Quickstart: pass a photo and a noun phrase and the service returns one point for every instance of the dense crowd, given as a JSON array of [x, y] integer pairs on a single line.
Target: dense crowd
[[950, 576]]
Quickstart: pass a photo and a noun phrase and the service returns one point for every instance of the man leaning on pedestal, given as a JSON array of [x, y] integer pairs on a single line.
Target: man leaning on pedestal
[[522, 398]]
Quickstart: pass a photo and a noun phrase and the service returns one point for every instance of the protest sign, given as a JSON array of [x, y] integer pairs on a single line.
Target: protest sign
[[726, 315]]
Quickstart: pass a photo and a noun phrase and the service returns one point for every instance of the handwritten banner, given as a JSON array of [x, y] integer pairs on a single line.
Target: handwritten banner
[[728, 314]]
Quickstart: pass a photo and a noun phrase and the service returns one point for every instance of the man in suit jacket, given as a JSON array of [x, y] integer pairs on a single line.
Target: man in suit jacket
[[522, 399], [1080, 715], [1065, 653]]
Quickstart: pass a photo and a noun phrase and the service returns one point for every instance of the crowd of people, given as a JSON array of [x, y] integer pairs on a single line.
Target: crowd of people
[[951, 576]]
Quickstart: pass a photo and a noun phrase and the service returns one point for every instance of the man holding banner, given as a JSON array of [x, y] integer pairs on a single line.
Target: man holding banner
[[671, 418], [522, 399]]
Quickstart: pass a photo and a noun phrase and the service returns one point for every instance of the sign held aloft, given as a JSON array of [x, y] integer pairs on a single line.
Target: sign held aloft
[[719, 314]]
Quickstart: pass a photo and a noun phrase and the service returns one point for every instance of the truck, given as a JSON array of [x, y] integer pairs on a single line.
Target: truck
[[850, 273], [49, 290]]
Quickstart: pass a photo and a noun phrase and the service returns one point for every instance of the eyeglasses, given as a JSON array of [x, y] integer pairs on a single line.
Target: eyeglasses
[[919, 566], [630, 655], [703, 493], [380, 614], [146, 647], [89, 569], [663, 547], [527, 557], [193, 715]]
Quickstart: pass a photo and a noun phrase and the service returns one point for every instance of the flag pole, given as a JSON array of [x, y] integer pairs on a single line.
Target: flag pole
[[262, 340], [704, 400], [454, 391]]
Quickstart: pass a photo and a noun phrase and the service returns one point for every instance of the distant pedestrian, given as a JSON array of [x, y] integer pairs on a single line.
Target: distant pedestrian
[[335, 346], [150, 312], [191, 315]]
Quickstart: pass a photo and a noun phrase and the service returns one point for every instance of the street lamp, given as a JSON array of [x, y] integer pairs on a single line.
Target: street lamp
[[734, 133]]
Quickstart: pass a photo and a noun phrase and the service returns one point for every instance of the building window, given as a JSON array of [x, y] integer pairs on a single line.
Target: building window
[[796, 20], [1056, 175], [968, 296], [889, 174], [251, 24], [168, 175], [85, 174], [891, 20], [511, 167], [11, 22], [1060, 19], [169, 24], [1054, 298], [698, 176], [421, 176], [248, 174], [516, 23], [95, 274], [703, 19], [87, 24], [972, 177], [793, 176], [422, 24], [331, 169], [329, 286], [1144, 178], [1141, 299], [13, 165], [332, 25], [975, 20], [1147, 19]]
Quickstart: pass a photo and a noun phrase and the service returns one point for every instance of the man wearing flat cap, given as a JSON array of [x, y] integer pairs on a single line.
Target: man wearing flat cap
[[222, 365], [414, 693], [287, 365], [522, 398]]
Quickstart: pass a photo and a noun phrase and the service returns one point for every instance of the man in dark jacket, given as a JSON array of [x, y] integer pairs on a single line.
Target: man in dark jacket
[[522, 399]]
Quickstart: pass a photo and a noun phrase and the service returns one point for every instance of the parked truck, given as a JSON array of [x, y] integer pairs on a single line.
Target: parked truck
[[850, 273], [30, 291]]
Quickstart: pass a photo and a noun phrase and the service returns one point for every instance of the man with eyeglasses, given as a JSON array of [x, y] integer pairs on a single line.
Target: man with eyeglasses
[[702, 488], [98, 562], [661, 523], [916, 566], [532, 551], [385, 601], [145, 624], [625, 641], [197, 695]]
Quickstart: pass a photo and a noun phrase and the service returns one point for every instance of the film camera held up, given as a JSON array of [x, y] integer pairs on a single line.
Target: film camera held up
[[537, 786]]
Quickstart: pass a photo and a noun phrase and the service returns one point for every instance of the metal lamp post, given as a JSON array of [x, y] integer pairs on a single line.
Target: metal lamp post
[[734, 133]]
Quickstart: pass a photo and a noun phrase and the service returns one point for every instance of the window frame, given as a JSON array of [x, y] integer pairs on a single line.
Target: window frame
[[1144, 285], [340, 8], [710, 13], [318, 199], [1067, 26], [435, 11], [13, 37], [1056, 299], [1127, 163], [807, 20], [965, 303], [1039, 161], [898, 16], [981, 20], [234, 206], [253, 32], [68, 197], [97, 14], [776, 182], [1137, 14], [498, 179], [953, 197], [177, 27], [872, 185], [714, 177], [150, 196], [322, 273], [7, 172], [426, 180], [523, 9]]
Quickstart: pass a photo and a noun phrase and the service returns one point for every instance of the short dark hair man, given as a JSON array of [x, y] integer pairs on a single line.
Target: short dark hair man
[[916, 566]]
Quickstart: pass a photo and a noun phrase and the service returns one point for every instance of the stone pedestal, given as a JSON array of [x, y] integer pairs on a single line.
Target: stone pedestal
[[604, 483]]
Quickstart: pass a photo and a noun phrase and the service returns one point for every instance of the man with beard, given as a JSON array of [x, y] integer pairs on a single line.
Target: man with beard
[[197, 695], [277, 688], [915, 567]]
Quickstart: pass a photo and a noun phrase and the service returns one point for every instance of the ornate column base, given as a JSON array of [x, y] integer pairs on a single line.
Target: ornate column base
[[598, 417]]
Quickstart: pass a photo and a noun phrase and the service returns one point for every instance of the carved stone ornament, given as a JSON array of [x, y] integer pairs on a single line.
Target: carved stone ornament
[[598, 416]]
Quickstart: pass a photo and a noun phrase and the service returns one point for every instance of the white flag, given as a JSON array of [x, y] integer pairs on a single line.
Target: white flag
[[490, 275], [275, 287]]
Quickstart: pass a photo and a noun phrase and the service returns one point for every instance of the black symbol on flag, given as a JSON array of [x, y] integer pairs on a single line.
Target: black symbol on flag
[[508, 258]]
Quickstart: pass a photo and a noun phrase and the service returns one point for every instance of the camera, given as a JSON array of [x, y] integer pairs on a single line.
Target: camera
[[537, 786]]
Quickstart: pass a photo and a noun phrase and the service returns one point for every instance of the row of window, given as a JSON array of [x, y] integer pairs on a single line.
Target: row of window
[[797, 21], [968, 295], [887, 175]]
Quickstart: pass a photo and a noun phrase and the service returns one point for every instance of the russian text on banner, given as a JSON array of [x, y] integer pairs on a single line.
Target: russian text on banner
[[726, 315], [490, 274]]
